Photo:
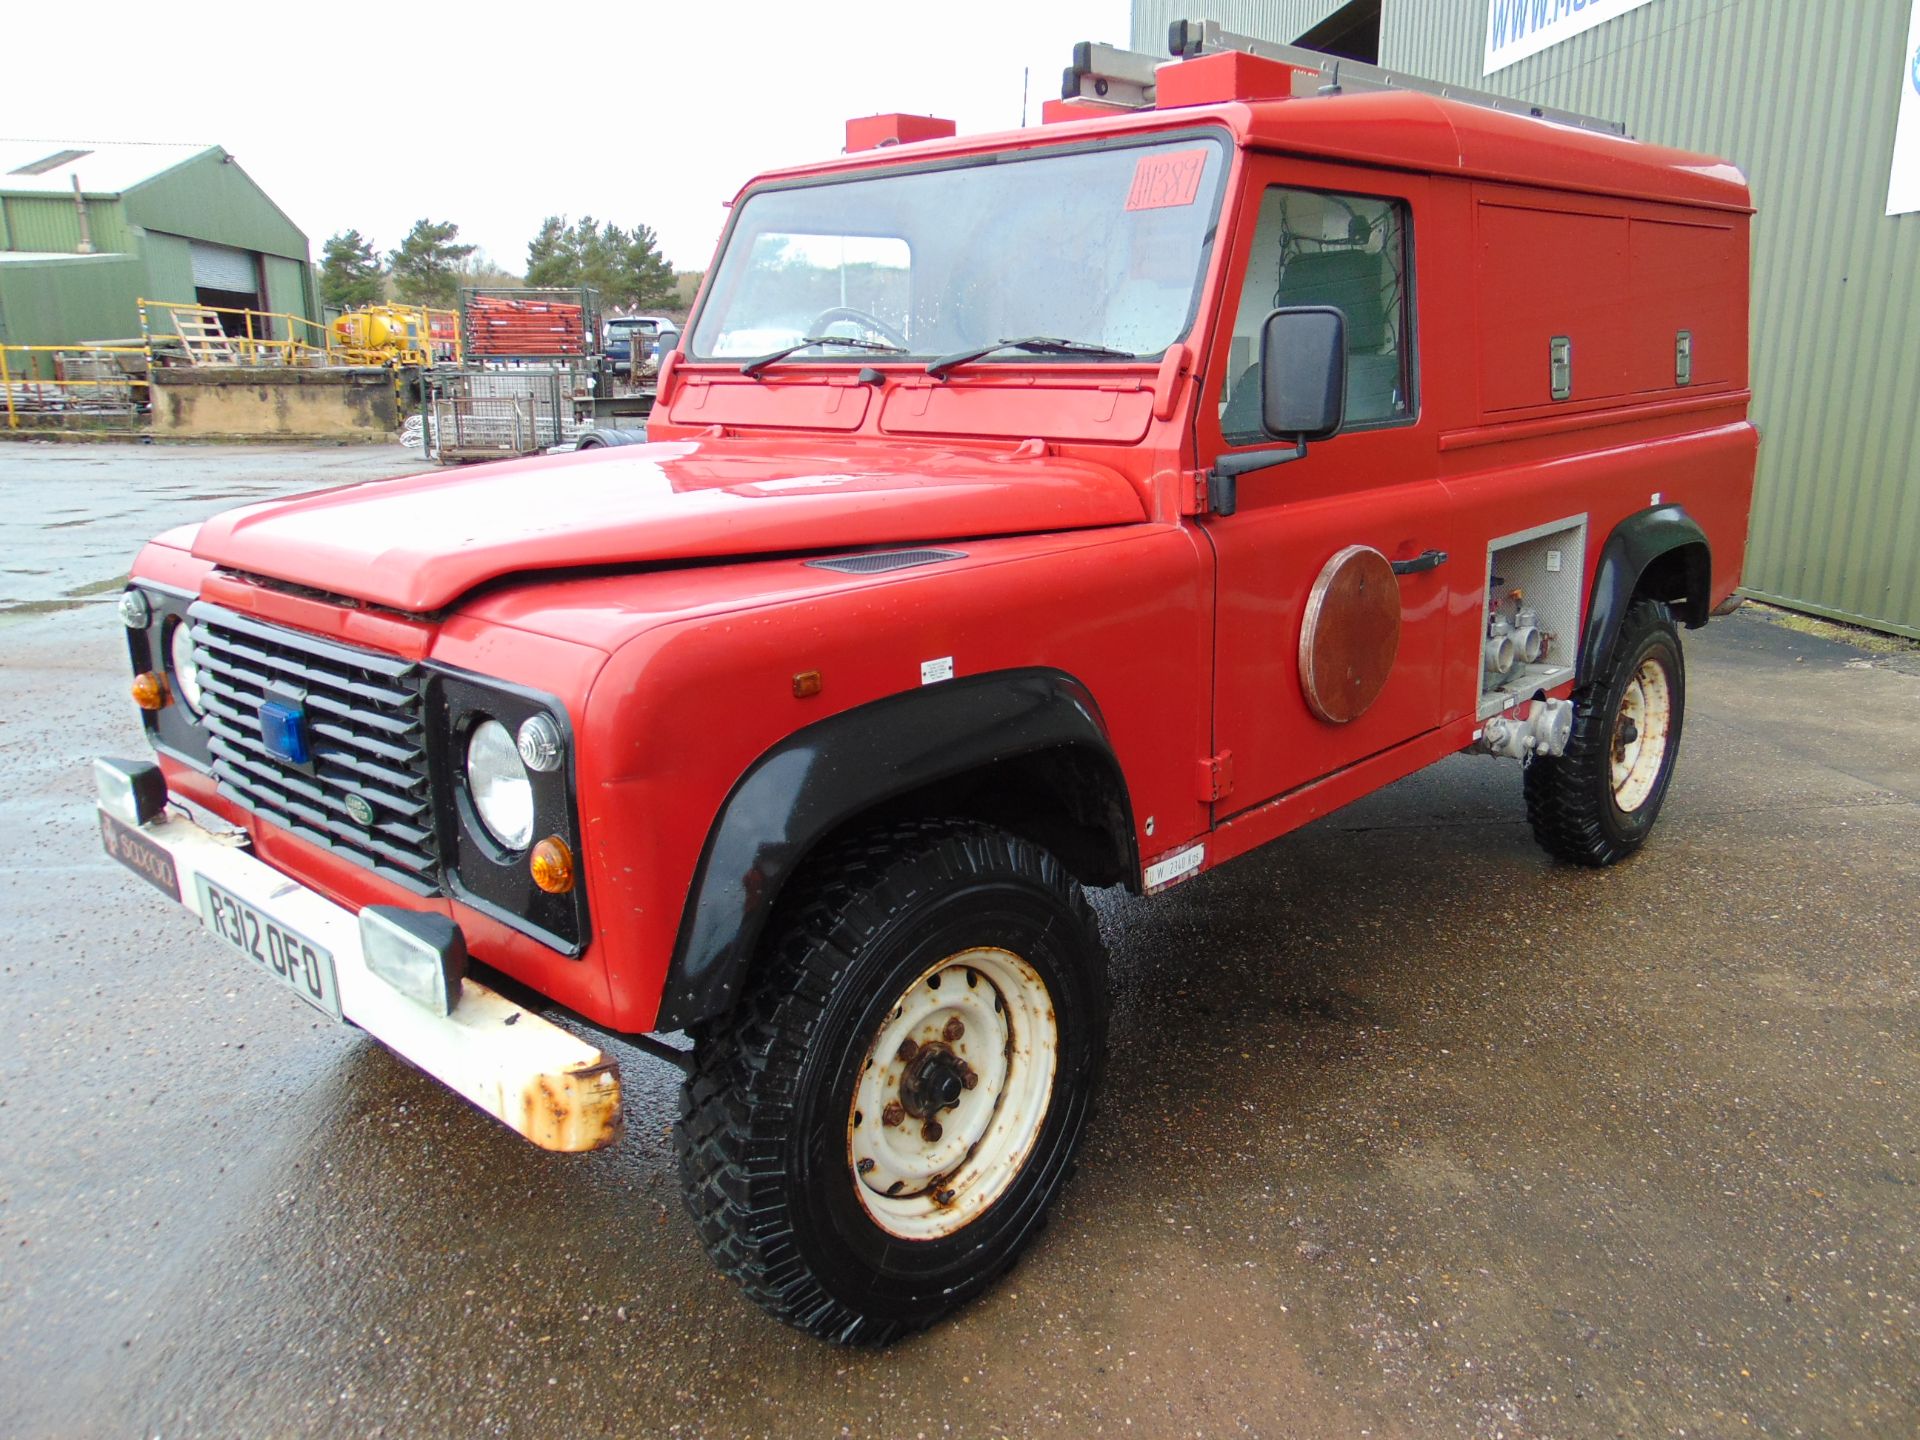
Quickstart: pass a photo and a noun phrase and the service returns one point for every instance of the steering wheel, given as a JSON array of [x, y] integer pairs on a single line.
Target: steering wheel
[[859, 317]]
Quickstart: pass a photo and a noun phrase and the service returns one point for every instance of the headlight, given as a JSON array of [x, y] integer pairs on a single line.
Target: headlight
[[502, 792], [186, 672]]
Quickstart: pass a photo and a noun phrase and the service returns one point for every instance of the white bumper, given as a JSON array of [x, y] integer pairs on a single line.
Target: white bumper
[[552, 1087]]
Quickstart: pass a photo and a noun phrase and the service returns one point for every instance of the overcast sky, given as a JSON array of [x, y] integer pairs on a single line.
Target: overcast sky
[[373, 117]]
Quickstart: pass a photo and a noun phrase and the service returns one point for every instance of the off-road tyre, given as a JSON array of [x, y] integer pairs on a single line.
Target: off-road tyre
[[769, 1118], [1581, 808]]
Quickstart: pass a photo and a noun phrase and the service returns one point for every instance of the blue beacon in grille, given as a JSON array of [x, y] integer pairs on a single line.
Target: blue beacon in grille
[[283, 729]]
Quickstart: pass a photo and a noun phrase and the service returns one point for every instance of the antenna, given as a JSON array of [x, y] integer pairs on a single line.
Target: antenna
[[1025, 70]]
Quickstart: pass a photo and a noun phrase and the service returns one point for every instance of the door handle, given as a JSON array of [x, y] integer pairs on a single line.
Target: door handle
[[1427, 560]]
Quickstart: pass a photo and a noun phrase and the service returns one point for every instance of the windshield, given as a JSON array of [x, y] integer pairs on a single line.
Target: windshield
[[1101, 247]]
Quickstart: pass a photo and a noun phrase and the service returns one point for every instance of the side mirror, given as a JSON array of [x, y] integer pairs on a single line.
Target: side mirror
[[1303, 372]]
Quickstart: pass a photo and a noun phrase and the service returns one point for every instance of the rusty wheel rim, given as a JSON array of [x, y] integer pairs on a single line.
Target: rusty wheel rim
[[952, 1093], [1640, 735]]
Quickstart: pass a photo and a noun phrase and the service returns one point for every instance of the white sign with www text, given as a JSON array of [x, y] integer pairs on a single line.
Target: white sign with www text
[[1903, 189], [1519, 28]]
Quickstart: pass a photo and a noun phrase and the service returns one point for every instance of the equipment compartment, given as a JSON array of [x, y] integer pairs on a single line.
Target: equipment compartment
[[1530, 617]]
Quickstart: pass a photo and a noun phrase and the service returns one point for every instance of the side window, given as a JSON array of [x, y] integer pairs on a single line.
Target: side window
[[1315, 248]]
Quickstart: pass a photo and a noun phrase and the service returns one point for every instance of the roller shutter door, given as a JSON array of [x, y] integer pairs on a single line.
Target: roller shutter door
[[220, 267]]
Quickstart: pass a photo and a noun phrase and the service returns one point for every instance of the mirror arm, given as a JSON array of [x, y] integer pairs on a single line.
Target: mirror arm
[[1223, 488]]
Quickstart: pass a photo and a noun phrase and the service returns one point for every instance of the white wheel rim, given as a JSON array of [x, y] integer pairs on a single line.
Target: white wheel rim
[[983, 1013], [1646, 713]]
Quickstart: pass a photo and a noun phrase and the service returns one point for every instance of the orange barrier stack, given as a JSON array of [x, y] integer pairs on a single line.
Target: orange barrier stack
[[497, 326]]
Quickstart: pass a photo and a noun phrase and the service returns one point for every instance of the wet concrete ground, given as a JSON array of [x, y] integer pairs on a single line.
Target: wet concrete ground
[[1409, 1131]]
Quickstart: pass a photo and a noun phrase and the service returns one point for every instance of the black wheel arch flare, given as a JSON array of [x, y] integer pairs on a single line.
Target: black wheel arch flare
[[1663, 546], [857, 764]]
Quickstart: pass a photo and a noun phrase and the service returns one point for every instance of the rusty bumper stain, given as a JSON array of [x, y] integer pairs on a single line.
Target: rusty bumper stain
[[549, 1085], [578, 1109]]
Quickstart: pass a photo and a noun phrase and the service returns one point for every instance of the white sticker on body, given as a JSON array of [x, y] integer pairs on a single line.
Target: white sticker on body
[[932, 671], [1176, 866]]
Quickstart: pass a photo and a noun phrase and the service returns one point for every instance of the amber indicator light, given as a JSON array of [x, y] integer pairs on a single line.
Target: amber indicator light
[[149, 691], [806, 683], [552, 865]]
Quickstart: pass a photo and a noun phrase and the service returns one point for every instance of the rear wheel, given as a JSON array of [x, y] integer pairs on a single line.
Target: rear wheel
[[1596, 804], [876, 1133]]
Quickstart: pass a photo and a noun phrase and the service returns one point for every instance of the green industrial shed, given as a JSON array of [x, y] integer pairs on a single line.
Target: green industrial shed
[[1805, 98], [87, 229]]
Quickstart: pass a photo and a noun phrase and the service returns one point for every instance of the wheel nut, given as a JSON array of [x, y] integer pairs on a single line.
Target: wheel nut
[[930, 1131], [893, 1114], [909, 1048], [969, 1077], [954, 1029], [866, 1164], [945, 1197]]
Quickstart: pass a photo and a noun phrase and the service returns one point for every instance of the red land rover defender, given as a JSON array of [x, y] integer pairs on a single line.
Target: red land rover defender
[[1082, 506]]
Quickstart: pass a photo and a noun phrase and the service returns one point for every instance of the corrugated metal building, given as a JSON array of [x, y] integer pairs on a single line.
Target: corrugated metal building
[[87, 229], [1793, 93]]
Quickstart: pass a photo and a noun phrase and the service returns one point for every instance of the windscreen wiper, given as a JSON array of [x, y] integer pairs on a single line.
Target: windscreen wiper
[[1035, 344], [754, 367]]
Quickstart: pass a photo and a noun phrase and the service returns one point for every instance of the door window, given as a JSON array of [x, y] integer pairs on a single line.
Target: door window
[[1312, 247]]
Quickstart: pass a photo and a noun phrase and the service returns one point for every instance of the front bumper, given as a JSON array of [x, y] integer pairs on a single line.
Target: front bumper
[[554, 1088]]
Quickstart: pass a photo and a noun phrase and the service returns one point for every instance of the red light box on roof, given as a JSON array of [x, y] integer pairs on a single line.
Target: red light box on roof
[[870, 132], [1229, 75]]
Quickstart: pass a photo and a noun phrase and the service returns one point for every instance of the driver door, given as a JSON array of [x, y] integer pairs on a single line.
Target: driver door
[[1325, 235]]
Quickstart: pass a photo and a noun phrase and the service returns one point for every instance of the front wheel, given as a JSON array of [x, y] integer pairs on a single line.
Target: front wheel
[[1596, 803], [874, 1135]]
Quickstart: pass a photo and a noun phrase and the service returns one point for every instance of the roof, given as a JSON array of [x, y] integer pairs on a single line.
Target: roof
[[104, 167], [1404, 130]]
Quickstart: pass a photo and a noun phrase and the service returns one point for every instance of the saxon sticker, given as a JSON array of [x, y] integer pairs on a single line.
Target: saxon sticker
[[1176, 866], [1165, 180]]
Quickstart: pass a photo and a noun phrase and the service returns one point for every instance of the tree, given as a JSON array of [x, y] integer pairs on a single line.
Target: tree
[[424, 265], [550, 257], [479, 269], [625, 266], [349, 270]]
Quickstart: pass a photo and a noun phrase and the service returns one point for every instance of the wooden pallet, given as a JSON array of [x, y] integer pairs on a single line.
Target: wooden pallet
[[206, 343]]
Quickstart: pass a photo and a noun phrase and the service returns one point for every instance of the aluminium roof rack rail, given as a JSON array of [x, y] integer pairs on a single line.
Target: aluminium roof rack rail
[[1126, 77]]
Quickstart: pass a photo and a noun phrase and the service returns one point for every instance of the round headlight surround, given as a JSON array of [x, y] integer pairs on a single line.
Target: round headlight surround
[[183, 668], [499, 785]]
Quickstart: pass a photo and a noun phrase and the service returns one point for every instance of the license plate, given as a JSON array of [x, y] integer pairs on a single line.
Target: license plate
[[140, 855], [295, 961]]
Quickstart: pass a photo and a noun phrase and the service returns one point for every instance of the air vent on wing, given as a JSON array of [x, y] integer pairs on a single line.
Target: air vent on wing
[[875, 563]]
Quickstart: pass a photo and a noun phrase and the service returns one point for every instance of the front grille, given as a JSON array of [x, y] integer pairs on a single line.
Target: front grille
[[366, 738]]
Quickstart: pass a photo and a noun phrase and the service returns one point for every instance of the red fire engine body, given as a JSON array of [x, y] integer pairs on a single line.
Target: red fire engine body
[[864, 610]]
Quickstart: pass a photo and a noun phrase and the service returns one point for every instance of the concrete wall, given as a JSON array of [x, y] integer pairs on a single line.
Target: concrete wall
[[272, 403]]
